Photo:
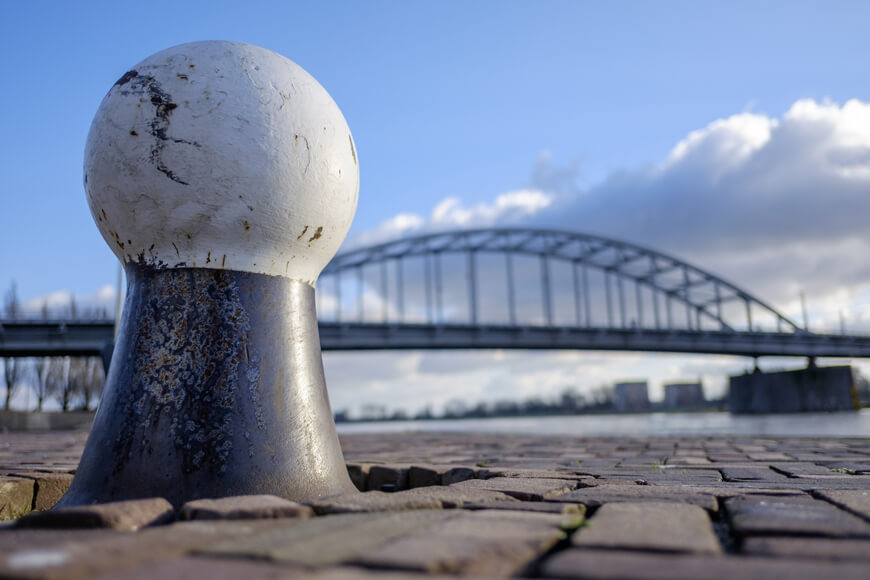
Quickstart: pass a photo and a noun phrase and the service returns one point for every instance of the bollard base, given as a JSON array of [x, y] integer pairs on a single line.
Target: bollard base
[[215, 389]]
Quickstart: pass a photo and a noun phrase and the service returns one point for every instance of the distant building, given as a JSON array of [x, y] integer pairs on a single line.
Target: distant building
[[630, 397], [684, 396]]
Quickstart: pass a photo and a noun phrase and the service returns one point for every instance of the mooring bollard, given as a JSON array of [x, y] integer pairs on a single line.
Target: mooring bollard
[[225, 178]]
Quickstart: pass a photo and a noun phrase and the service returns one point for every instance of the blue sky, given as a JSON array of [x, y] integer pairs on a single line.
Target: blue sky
[[584, 104]]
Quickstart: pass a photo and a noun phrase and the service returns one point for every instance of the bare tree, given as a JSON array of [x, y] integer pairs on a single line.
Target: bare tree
[[12, 368], [571, 401], [93, 385], [77, 376], [455, 408], [40, 369], [57, 381], [64, 374], [862, 386], [602, 397], [40, 374], [86, 374]]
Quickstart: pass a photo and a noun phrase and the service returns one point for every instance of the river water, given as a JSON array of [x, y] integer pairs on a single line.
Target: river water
[[645, 424]]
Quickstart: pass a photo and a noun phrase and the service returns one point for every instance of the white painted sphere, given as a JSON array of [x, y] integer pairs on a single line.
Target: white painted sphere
[[222, 155]]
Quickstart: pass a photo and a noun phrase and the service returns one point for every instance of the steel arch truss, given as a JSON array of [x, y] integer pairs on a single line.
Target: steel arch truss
[[702, 295]]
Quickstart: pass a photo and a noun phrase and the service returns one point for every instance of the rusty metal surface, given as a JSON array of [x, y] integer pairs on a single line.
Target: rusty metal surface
[[216, 388]]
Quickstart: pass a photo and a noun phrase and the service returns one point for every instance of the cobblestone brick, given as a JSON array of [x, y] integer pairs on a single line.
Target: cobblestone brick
[[529, 489], [196, 568], [422, 476], [372, 501], [760, 473], [792, 515], [801, 469], [122, 515], [70, 554], [243, 507], [329, 540], [793, 484], [529, 473], [484, 543], [49, 487], [387, 478], [817, 548], [769, 456], [856, 501], [664, 474], [457, 474], [359, 475], [620, 565], [858, 467], [689, 460], [454, 496], [659, 526], [570, 509], [16, 496], [596, 496]]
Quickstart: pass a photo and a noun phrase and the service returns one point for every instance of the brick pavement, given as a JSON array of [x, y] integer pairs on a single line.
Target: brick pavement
[[474, 505]]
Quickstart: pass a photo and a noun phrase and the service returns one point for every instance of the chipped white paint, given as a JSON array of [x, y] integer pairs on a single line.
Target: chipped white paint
[[222, 155]]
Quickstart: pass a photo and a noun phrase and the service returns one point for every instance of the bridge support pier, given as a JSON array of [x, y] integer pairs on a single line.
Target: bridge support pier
[[813, 389]]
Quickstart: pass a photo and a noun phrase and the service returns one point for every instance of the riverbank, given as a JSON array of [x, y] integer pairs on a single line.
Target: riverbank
[[45, 420], [478, 504], [839, 424]]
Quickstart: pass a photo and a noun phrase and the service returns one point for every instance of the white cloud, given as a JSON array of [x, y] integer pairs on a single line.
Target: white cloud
[[99, 303], [396, 227], [451, 213], [725, 143]]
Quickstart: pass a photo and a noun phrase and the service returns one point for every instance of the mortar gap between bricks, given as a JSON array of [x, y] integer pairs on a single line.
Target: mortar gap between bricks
[[730, 542], [782, 472], [534, 568]]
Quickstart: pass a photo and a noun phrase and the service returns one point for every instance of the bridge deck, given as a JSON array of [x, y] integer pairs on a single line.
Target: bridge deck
[[59, 338]]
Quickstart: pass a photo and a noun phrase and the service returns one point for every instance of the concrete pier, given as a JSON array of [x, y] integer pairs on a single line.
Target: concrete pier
[[812, 389]]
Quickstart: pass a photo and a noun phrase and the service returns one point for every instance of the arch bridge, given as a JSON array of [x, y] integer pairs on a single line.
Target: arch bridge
[[546, 289], [513, 289]]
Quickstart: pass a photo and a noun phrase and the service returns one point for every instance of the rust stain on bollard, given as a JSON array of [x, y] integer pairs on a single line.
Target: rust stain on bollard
[[188, 353]]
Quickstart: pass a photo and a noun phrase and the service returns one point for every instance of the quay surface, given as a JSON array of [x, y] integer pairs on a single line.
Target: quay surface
[[482, 505]]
